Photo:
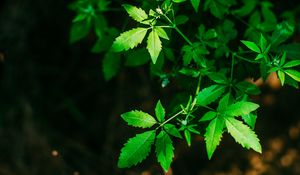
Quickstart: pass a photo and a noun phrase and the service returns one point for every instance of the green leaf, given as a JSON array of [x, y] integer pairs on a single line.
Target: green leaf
[[169, 54], [209, 95], [137, 57], [267, 13], [111, 65], [129, 40], [242, 134], [103, 5], [246, 9], [283, 31], [274, 69], [172, 130], [154, 45], [181, 19], [260, 56], [290, 81], [195, 4], [210, 34], [248, 88], [264, 69], [208, 116], [189, 72], [250, 119], [293, 74], [139, 119], [100, 25], [136, 149], [213, 135], [219, 78], [218, 8], [281, 76], [161, 33], [252, 46], [178, 1], [79, 30], [194, 52], [293, 63], [282, 59], [80, 17], [240, 108], [164, 150], [224, 102], [160, 112], [187, 136], [137, 14], [103, 44], [263, 43]]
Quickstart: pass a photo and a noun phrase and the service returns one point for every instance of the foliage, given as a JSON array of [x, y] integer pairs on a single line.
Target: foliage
[[238, 40]]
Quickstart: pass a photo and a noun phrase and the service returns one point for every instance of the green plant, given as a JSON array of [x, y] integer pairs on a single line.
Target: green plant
[[217, 55]]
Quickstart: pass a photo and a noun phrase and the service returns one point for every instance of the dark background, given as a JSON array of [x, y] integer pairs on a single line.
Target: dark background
[[58, 116]]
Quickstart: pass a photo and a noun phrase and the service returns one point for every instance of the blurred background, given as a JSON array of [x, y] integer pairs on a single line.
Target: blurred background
[[58, 116]]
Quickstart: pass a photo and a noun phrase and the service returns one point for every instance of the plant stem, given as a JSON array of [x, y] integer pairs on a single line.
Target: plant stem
[[195, 98], [208, 108], [231, 71], [183, 36], [232, 66], [171, 118], [243, 58], [178, 30], [198, 85], [183, 110], [165, 26]]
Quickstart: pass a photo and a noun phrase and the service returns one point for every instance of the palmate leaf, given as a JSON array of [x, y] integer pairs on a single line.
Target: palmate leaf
[[240, 108], [242, 134], [164, 150], [137, 14], [213, 135], [129, 40], [139, 119], [136, 149], [195, 52], [154, 45], [209, 95]]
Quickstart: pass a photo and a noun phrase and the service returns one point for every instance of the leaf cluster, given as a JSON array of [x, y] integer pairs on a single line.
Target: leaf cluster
[[211, 48]]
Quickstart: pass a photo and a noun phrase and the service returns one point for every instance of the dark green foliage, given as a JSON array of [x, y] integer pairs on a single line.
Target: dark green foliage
[[211, 55]]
